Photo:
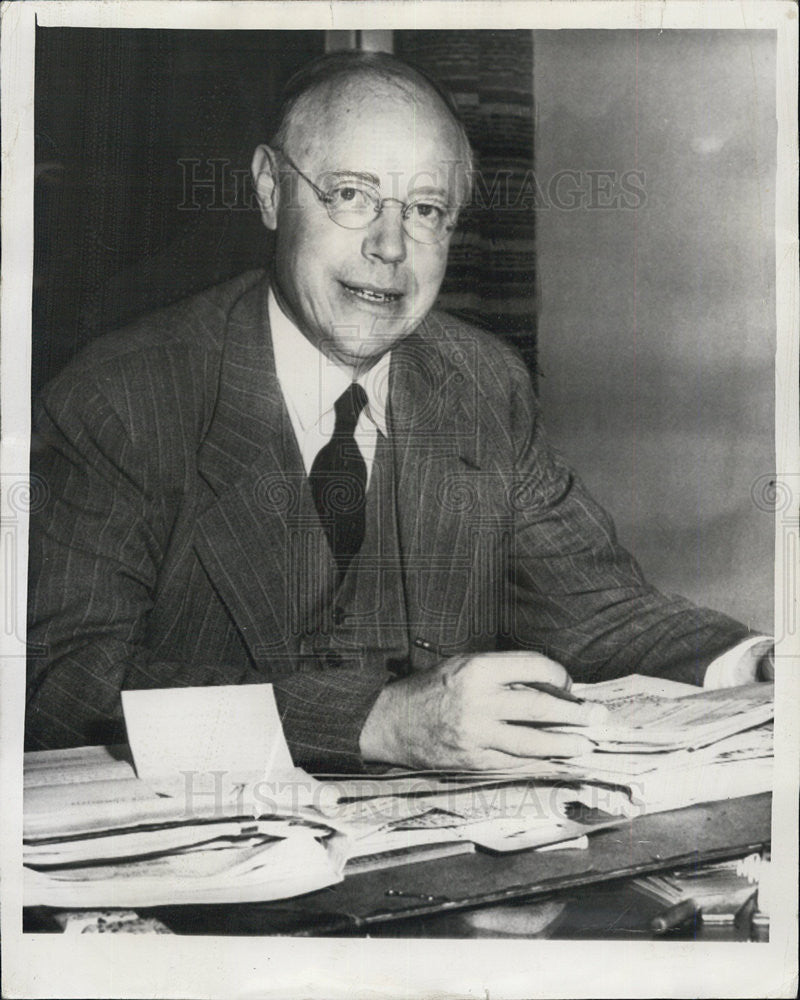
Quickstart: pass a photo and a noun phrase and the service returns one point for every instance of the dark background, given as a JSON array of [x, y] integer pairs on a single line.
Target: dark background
[[117, 232]]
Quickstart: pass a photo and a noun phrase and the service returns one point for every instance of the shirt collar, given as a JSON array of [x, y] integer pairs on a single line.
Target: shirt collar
[[311, 383]]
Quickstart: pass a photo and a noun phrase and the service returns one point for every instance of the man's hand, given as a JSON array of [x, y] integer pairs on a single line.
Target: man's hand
[[475, 712]]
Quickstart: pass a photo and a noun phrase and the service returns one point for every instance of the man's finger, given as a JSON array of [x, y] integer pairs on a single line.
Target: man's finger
[[497, 760], [525, 741], [524, 704], [524, 667]]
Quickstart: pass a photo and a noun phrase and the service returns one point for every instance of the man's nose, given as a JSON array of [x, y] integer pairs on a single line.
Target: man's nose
[[385, 237]]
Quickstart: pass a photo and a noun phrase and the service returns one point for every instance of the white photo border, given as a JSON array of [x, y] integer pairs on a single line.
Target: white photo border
[[173, 966]]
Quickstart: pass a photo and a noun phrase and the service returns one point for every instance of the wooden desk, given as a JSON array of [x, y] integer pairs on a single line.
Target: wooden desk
[[360, 905]]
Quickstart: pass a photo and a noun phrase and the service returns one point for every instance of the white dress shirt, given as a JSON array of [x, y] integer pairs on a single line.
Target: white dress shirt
[[311, 383], [739, 665]]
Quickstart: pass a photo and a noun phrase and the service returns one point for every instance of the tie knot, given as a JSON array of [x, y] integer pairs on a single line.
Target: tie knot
[[348, 409]]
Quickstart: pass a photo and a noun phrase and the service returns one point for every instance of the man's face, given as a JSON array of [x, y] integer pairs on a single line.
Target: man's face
[[357, 292]]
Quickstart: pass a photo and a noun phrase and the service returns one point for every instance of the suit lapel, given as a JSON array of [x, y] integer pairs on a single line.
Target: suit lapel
[[258, 536], [248, 416]]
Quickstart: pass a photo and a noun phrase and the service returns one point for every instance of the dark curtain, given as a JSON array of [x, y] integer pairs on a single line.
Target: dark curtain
[[143, 147], [491, 279]]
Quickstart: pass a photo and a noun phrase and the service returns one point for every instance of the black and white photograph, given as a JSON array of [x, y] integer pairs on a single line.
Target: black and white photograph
[[400, 487]]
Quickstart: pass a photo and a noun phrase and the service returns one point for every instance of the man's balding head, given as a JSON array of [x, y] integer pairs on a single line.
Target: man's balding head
[[312, 92]]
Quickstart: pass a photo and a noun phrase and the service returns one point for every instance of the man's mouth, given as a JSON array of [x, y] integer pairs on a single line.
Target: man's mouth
[[370, 294]]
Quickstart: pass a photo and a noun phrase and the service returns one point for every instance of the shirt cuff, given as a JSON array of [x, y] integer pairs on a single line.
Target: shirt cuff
[[738, 665]]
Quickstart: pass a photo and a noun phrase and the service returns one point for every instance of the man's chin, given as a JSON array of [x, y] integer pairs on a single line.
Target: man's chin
[[361, 356], [366, 352]]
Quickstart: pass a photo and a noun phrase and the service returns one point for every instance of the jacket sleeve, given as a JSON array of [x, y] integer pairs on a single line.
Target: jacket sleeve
[[578, 595], [97, 543]]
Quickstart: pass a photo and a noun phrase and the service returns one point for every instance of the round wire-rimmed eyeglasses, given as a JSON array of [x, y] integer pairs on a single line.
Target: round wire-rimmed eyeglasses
[[354, 204]]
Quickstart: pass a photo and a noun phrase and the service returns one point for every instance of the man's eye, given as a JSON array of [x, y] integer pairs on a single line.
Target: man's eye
[[427, 213], [349, 198]]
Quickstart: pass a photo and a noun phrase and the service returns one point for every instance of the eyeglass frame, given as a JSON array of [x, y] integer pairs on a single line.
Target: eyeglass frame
[[324, 199]]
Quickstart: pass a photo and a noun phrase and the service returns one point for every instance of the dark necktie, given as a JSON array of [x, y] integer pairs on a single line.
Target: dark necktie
[[338, 480]]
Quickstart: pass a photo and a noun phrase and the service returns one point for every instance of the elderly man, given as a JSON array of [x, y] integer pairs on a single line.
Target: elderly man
[[312, 478]]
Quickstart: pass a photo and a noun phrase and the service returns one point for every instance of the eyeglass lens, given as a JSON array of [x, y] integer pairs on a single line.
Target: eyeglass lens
[[355, 208]]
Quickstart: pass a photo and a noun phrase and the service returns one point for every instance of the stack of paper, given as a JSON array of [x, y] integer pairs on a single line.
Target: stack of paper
[[646, 716], [234, 865], [214, 811], [499, 813], [664, 746], [673, 746]]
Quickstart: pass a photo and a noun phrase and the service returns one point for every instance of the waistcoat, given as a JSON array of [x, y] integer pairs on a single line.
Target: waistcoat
[[363, 617]]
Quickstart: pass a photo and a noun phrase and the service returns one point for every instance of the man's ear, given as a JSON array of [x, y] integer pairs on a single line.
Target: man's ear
[[264, 169]]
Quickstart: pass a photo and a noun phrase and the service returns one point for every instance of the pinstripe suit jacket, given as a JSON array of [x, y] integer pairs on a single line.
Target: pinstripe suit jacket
[[164, 554]]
